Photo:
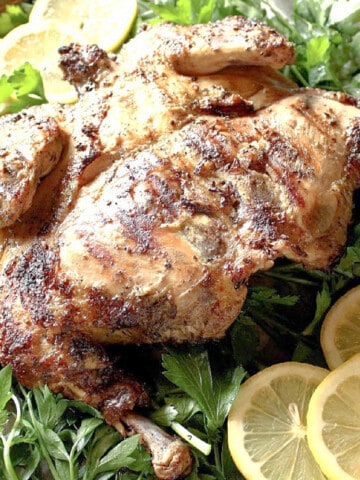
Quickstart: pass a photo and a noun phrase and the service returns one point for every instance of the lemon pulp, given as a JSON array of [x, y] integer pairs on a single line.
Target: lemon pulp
[[340, 331], [106, 23], [38, 44], [267, 423], [334, 422]]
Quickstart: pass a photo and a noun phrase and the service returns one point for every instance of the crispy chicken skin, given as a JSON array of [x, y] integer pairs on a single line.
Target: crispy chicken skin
[[23, 164], [137, 215]]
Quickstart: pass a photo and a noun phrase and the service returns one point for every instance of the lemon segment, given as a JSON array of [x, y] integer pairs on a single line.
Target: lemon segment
[[267, 423], [38, 44], [106, 23], [334, 422], [340, 331]]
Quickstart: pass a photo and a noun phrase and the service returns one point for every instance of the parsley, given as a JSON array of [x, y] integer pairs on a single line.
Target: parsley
[[192, 373], [13, 16], [38, 427], [198, 11], [21, 89], [201, 393], [327, 45], [186, 12]]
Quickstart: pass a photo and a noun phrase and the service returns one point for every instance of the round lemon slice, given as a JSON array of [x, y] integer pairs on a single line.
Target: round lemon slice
[[267, 423], [340, 331], [38, 44], [334, 422], [106, 23]]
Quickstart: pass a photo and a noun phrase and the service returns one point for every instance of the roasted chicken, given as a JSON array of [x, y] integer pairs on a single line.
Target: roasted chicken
[[137, 215]]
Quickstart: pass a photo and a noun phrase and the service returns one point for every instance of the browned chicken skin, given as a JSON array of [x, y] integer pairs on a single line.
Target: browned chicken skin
[[137, 215]]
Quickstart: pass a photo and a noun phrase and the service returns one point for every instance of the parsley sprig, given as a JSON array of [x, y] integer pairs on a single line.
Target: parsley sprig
[[24, 87], [42, 432], [21, 89], [13, 16]]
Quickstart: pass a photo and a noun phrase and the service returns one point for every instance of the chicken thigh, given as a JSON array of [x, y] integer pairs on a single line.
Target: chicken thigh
[[188, 164]]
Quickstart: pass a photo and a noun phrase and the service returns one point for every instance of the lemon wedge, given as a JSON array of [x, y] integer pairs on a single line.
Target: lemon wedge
[[106, 23], [267, 423], [340, 331], [38, 43], [334, 422]]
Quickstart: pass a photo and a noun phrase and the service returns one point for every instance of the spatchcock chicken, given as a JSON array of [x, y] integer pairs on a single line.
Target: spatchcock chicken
[[138, 214]]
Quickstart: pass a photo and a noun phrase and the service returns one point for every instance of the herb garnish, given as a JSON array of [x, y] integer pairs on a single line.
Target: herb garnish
[[12, 16], [21, 89]]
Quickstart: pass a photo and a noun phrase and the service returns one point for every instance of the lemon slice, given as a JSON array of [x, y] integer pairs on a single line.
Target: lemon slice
[[38, 44], [334, 422], [340, 331], [104, 22], [267, 423]]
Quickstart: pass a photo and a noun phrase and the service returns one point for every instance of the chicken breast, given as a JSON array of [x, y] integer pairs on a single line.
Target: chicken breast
[[188, 164], [132, 100]]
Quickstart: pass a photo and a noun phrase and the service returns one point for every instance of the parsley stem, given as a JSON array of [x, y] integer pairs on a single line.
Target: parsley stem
[[288, 278], [43, 448], [195, 441], [71, 469], [217, 457], [299, 77], [8, 441]]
